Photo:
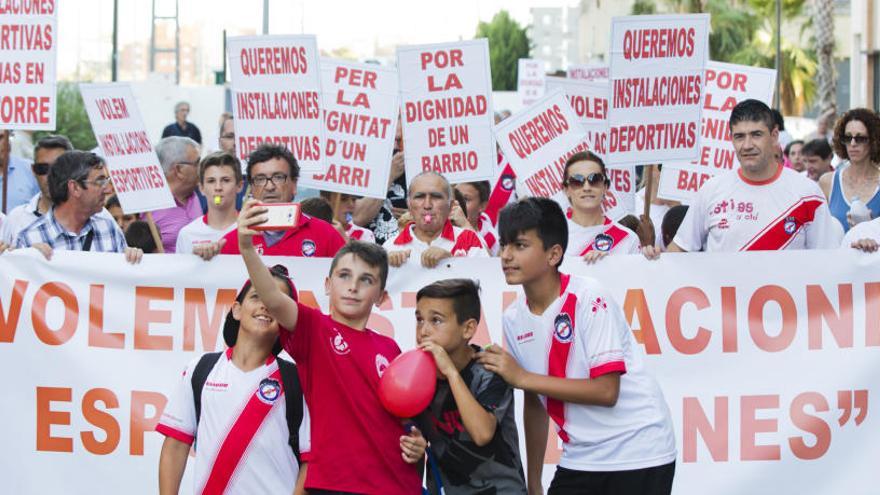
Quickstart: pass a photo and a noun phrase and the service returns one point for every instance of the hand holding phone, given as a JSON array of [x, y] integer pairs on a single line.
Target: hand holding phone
[[281, 216]]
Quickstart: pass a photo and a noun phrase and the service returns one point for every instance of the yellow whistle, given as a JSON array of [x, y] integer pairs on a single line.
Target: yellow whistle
[[217, 200]]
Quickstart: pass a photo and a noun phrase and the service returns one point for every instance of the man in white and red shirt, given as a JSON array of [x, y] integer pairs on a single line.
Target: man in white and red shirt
[[220, 180], [762, 206], [431, 237]]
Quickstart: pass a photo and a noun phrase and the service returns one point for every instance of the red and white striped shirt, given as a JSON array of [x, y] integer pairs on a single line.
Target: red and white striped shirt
[[609, 237], [489, 233], [584, 335], [456, 240], [359, 233]]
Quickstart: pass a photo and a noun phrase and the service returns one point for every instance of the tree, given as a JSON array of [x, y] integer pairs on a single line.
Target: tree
[[507, 44], [823, 25], [71, 120]]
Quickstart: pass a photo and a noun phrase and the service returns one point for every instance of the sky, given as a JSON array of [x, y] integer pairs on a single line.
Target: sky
[[85, 26]]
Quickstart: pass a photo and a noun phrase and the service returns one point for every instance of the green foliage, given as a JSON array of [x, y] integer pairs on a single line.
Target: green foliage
[[644, 7], [72, 120], [507, 44]]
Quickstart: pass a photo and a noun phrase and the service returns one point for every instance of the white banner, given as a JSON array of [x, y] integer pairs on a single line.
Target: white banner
[[657, 65], [446, 105], [28, 40], [360, 112], [530, 80], [769, 370], [276, 96], [116, 120]]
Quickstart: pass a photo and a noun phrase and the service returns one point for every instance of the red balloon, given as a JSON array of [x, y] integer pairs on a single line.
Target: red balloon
[[408, 384]]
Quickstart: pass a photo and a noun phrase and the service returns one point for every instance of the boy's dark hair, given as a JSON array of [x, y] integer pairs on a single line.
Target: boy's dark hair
[[53, 142], [753, 111], [112, 201], [220, 159], [483, 189], [459, 197], [791, 144], [317, 207], [138, 235], [778, 118], [541, 214], [70, 166], [817, 147], [266, 152], [370, 253], [671, 222], [464, 292], [630, 222], [584, 156]]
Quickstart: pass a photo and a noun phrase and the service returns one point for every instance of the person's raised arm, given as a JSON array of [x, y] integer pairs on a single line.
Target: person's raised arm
[[281, 306]]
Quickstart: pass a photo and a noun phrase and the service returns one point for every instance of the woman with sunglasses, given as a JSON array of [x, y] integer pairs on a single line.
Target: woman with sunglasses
[[591, 234], [856, 139]]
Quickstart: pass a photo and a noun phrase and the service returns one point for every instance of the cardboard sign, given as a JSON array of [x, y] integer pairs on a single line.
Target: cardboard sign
[[530, 80], [276, 96], [680, 183], [589, 101], [657, 65], [28, 39], [446, 106], [588, 72], [134, 167], [360, 114]]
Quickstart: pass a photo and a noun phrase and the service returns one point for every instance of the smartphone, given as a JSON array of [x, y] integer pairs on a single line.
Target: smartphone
[[282, 216]]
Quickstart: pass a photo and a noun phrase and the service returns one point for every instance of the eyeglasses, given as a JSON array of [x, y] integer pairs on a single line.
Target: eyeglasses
[[276, 180], [857, 139], [40, 168], [578, 180], [101, 183]]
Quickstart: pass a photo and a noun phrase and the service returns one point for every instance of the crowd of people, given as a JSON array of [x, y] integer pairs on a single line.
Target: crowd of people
[[820, 194]]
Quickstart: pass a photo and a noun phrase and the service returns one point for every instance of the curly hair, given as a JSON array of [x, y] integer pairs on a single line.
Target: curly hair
[[871, 122]]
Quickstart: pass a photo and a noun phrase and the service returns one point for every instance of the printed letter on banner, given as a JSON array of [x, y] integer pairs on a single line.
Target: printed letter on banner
[[360, 103], [538, 141], [134, 167], [276, 96], [726, 85], [588, 72], [28, 35], [530, 80], [446, 105], [657, 65]]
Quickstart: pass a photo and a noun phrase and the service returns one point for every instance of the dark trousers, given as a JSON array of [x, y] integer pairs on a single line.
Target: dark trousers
[[648, 481]]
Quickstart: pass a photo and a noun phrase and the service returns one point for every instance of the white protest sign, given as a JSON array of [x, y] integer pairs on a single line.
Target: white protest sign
[[589, 101], [588, 72], [446, 104], [530, 80], [137, 176], [28, 37], [360, 112], [620, 199], [678, 183], [657, 65], [276, 96]]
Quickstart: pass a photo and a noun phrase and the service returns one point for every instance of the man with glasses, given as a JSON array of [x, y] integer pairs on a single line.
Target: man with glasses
[[21, 184], [79, 183], [179, 157], [272, 172]]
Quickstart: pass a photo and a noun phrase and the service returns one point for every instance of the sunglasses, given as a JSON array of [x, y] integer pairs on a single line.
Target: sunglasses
[[40, 168], [578, 180], [849, 138]]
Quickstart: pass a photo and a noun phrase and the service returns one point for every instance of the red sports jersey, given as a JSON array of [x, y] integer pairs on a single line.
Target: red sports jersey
[[355, 442], [456, 240], [311, 238]]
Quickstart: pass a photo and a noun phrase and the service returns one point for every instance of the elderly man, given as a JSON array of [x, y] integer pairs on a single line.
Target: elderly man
[[22, 185], [431, 236], [78, 185], [179, 157], [182, 127]]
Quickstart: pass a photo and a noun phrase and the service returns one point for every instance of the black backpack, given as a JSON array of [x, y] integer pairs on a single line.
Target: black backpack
[[289, 380]]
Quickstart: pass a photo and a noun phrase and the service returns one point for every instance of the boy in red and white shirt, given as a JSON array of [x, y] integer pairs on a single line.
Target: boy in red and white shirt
[[763, 206], [576, 360], [431, 237], [220, 182]]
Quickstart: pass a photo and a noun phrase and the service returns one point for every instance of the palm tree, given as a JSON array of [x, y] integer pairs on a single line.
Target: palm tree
[[826, 81]]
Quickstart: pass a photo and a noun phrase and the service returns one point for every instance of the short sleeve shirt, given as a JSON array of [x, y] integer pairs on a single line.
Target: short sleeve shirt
[[311, 238]]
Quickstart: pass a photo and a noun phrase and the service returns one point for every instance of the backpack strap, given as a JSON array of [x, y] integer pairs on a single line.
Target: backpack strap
[[199, 377], [293, 398]]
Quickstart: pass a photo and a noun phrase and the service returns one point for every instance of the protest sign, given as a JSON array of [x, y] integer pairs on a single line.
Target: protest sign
[[446, 106], [589, 101], [276, 96], [657, 65], [28, 40], [360, 113], [587, 72], [529, 80], [137, 176]]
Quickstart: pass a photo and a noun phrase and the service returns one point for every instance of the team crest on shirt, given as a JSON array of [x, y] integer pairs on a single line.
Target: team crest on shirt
[[790, 225], [507, 182], [562, 330], [381, 364], [269, 390], [340, 346], [308, 247], [603, 242]]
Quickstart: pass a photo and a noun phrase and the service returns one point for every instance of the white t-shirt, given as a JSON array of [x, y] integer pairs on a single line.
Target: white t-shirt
[[456, 240], [657, 213], [609, 237], [584, 335], [359, 233], [863, 230], [732, 213], [236, 405], [199, 232]]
